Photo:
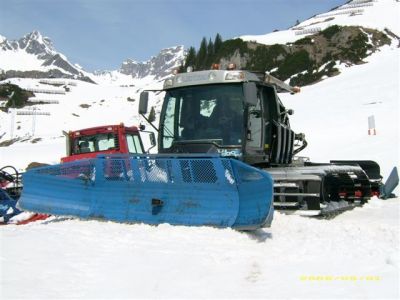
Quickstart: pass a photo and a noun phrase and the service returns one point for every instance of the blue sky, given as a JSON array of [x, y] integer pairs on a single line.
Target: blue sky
[[101, 34]]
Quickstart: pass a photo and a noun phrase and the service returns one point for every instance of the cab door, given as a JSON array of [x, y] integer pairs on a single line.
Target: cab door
[[255, 133]]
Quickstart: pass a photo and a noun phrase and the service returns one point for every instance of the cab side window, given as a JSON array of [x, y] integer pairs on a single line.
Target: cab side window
[[255, 125], [134, 145]]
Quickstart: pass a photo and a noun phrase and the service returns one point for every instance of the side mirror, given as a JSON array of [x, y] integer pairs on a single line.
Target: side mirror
[[250, 93], [67, 144], [289, 112], [143, 103], [152, 137]]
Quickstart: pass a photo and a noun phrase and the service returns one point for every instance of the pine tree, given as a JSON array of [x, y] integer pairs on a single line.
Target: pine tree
[[217, 43], [190, 58], [210, 53], [202, 55]]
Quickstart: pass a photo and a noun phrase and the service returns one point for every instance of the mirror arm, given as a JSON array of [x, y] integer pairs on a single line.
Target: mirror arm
[[148, 150], [151, 124]]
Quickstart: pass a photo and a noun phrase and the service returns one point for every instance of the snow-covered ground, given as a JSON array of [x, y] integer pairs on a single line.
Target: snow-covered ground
[[355, 255]]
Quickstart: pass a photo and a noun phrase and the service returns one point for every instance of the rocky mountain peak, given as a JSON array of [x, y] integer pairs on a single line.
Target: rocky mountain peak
[[46, 61], [35, 43], [32, 43], [50, 62], [158, 66]]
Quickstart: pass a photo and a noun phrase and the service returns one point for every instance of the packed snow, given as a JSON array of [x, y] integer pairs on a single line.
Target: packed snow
[[355, 255]]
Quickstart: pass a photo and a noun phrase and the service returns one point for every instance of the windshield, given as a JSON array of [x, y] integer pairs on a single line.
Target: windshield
[[105, 142], [95, 143], [203, 113]]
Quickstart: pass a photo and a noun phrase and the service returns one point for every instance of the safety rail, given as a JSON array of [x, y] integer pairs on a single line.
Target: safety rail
[[346, 12], [308, 31]]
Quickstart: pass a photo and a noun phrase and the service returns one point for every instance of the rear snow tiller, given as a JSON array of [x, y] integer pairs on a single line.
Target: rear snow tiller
[[180, 190]]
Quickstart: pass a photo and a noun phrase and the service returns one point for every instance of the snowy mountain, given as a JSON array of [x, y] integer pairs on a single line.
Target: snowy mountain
[[35, 56], [158, 66], [131, 72], [382, 15]]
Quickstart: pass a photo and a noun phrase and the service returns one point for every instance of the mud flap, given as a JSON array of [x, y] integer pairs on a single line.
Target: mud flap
[[153, 189], [390, 184]]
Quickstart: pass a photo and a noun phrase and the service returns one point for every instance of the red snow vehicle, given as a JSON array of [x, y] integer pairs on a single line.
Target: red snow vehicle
[[110, 139]]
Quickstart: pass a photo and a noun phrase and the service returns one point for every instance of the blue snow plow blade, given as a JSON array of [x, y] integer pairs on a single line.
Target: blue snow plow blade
[[153, 189]]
